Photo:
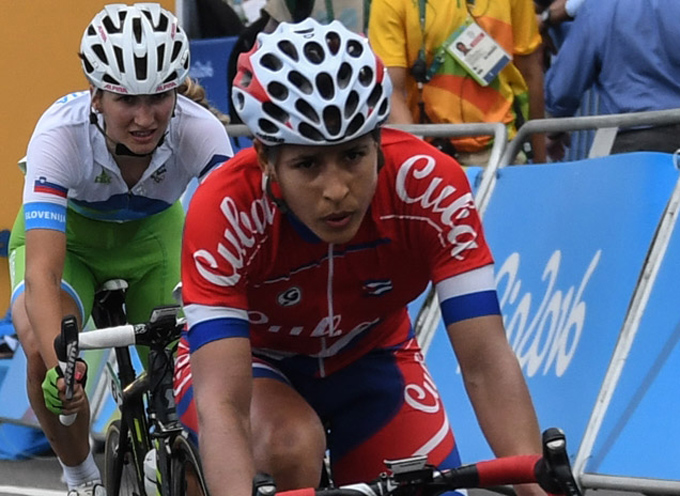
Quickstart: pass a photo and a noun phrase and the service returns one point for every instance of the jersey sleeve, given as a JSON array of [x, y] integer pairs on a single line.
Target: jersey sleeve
[[51, 164], [447, 231], [204, 140], [218, 246]]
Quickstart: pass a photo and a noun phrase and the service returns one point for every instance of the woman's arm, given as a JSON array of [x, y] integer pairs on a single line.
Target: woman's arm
[[222, 378], [531, 67], [399, 113], [496, 387], [45, 255]]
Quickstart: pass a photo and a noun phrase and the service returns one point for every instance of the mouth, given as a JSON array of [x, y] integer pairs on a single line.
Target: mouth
[[338, 220], [143, 137]]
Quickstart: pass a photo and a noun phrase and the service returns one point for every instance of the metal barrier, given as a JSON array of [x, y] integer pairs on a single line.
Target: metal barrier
[[495, 129], [595, 122]]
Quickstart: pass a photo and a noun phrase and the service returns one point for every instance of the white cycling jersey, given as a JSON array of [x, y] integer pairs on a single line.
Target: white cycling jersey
[[69, 165]]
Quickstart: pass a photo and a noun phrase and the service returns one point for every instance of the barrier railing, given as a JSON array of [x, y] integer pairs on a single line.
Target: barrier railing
[[596, 122]]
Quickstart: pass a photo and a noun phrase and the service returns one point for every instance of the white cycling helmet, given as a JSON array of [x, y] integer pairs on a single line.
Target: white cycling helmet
[[135, 50], [311, 84]]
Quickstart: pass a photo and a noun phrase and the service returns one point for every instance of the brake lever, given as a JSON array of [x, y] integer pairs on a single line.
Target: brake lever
[[554, 470]]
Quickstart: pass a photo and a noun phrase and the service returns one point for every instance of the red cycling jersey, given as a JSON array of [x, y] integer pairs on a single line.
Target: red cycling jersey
[[250, 269]]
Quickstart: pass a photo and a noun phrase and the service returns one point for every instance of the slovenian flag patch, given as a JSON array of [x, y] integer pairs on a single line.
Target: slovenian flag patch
[[41, 185]]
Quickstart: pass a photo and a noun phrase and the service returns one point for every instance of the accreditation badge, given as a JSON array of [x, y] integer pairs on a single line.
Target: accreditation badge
[[477, 52]]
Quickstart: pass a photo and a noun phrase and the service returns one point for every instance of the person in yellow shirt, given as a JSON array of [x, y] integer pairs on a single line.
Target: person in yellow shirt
[[432, 85]]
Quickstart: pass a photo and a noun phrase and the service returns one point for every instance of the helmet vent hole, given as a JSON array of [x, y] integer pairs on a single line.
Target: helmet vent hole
[[108, 79], [271, 62], [355, 125], [384, 107], [310, 133], [91, 31], [176, 49], [162, 22], [307, 110], [332, 119], [344, 75], [365, 76], [267, 126], [300, 82], [324, 83], [109, 27], [171, 77], [86, 63], [374, 96], [246, 78], [140, 67], [137, 29], [314, 52], [119, 58], [277, 90], [240, 101], [275, 112], [99, 52], [333, 42], [354, 48], [351, 104], [289, 49], [160, 55]]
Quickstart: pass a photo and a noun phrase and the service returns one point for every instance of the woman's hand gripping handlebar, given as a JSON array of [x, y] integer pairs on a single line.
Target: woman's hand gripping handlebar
[[412, 476], [163, 328]]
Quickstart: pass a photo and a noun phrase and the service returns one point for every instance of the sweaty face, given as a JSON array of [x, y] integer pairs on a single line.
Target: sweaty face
[[137, 121], [329, 188]]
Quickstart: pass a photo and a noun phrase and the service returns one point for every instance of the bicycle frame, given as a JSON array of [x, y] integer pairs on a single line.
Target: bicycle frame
[[140, 428]]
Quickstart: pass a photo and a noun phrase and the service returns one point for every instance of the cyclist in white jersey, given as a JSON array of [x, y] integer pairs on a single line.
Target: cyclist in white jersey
[[104, 173]]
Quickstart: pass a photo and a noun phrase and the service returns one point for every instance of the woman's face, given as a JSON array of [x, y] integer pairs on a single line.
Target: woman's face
[[137, 121], [329, 188]]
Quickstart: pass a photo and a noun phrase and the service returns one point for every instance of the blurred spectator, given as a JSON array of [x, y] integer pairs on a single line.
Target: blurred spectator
[[557, 12], [352, 13], [439, 85], [212, 19], [554, 20], [627, 51]]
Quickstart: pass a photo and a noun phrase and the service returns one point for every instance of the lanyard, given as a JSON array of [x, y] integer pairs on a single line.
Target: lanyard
[[440, 53]]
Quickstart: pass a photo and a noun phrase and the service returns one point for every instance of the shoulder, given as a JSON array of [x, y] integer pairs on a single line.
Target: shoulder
[[194, 118], [62, 132], [416, 175], [238, 177], [403, 150], [68, 111]]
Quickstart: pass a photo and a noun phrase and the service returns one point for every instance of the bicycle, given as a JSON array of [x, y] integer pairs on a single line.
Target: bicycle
[[148, 442], [414, 477]]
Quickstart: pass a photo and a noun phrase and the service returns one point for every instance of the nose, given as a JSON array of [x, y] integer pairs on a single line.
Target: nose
[[144, 115], [336, 184]]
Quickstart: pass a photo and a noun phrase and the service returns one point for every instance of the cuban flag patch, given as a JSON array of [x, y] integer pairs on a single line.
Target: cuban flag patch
[[41, 185]]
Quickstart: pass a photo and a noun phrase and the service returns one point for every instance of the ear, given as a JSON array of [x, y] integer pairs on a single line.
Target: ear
[[262, 152], [96, 99]]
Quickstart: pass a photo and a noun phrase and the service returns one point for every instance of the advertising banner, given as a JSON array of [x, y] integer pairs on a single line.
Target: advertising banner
[[569, 241]]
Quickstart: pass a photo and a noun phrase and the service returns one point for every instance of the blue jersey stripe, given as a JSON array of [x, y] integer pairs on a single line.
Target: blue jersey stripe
[[469, 306], [214, 161], [212, 330], [44, 215], [119, 207]]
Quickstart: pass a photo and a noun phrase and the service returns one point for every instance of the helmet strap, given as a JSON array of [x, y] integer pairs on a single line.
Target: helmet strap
[[279, 202]]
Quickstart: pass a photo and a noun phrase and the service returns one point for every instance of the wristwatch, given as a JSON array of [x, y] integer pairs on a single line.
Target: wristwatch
[[546, 17]]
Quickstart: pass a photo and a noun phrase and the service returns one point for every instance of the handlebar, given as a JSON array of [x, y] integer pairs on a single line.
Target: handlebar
[[162, 329], [67, 354], [410, 476]]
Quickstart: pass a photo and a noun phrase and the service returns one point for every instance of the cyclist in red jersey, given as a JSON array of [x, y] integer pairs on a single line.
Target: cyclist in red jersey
[[299, 257]]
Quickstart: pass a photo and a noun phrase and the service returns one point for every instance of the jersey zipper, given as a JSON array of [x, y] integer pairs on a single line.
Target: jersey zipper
[[331, 317]]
